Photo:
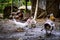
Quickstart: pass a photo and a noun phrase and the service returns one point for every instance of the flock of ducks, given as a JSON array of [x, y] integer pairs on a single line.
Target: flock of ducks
[[48, 25], [25, 24]]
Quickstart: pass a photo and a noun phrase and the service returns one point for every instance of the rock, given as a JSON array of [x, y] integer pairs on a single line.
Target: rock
[[20, 30]]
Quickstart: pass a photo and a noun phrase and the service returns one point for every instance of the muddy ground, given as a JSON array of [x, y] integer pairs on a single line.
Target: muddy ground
[[8, 31]]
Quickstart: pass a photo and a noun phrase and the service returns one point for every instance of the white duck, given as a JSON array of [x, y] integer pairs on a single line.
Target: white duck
[[22, 25], [49, 24]]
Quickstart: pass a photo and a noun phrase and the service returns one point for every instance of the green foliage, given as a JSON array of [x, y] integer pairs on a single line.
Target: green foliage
[[4, 3], [15, 2], [23, 2], [29, 3]]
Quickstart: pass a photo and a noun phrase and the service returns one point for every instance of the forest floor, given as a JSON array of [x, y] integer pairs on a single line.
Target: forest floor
[[31, 34]]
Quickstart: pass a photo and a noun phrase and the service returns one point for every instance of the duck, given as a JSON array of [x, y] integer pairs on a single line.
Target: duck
[[25, 24], [49, 24], [20, 24]]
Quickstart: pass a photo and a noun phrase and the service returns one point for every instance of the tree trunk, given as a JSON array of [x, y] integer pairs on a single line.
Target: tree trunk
[[26, 6], [35, 15], [33, 7], [39, 12], [52, 7]]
